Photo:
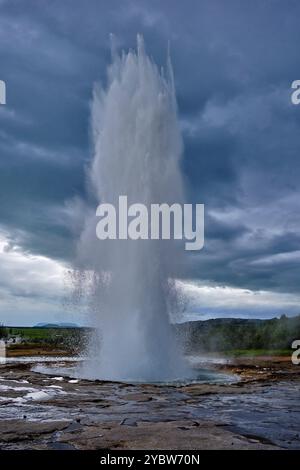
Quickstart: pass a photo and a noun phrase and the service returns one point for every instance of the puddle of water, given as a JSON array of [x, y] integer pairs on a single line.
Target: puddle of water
[[198, 360]]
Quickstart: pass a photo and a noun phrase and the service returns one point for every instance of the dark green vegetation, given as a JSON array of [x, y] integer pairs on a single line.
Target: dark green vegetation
[[241, 336]]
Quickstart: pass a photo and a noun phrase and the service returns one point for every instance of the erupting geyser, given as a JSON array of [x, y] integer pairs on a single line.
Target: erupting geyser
[[137, 151]]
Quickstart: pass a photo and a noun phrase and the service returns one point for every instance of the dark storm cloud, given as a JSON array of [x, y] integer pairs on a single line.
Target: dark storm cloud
[[234, 63]]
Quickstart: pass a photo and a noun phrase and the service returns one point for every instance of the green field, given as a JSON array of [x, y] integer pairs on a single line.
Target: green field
[[38, 334], [69, 339]]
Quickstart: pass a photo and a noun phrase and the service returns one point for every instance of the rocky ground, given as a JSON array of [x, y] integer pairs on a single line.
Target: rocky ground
[[260, 411]]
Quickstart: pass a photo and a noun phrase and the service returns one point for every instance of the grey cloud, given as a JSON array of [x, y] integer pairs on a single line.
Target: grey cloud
[[233, 62]]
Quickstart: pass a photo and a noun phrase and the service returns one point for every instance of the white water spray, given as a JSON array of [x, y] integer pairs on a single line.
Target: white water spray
[[137, 151]]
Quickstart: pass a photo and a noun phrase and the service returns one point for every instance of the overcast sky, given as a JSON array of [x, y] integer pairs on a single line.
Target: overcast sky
[[234, 62]]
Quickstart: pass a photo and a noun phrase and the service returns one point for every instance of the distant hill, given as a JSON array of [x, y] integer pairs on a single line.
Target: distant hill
[[56, 325]]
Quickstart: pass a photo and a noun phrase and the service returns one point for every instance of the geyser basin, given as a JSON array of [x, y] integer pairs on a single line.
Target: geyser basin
[[79, 371]]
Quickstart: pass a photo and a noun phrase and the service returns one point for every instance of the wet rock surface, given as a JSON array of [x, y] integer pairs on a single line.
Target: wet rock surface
[[43, 411]]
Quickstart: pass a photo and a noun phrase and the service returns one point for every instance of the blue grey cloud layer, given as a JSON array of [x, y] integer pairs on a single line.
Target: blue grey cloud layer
[[234, 62]]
